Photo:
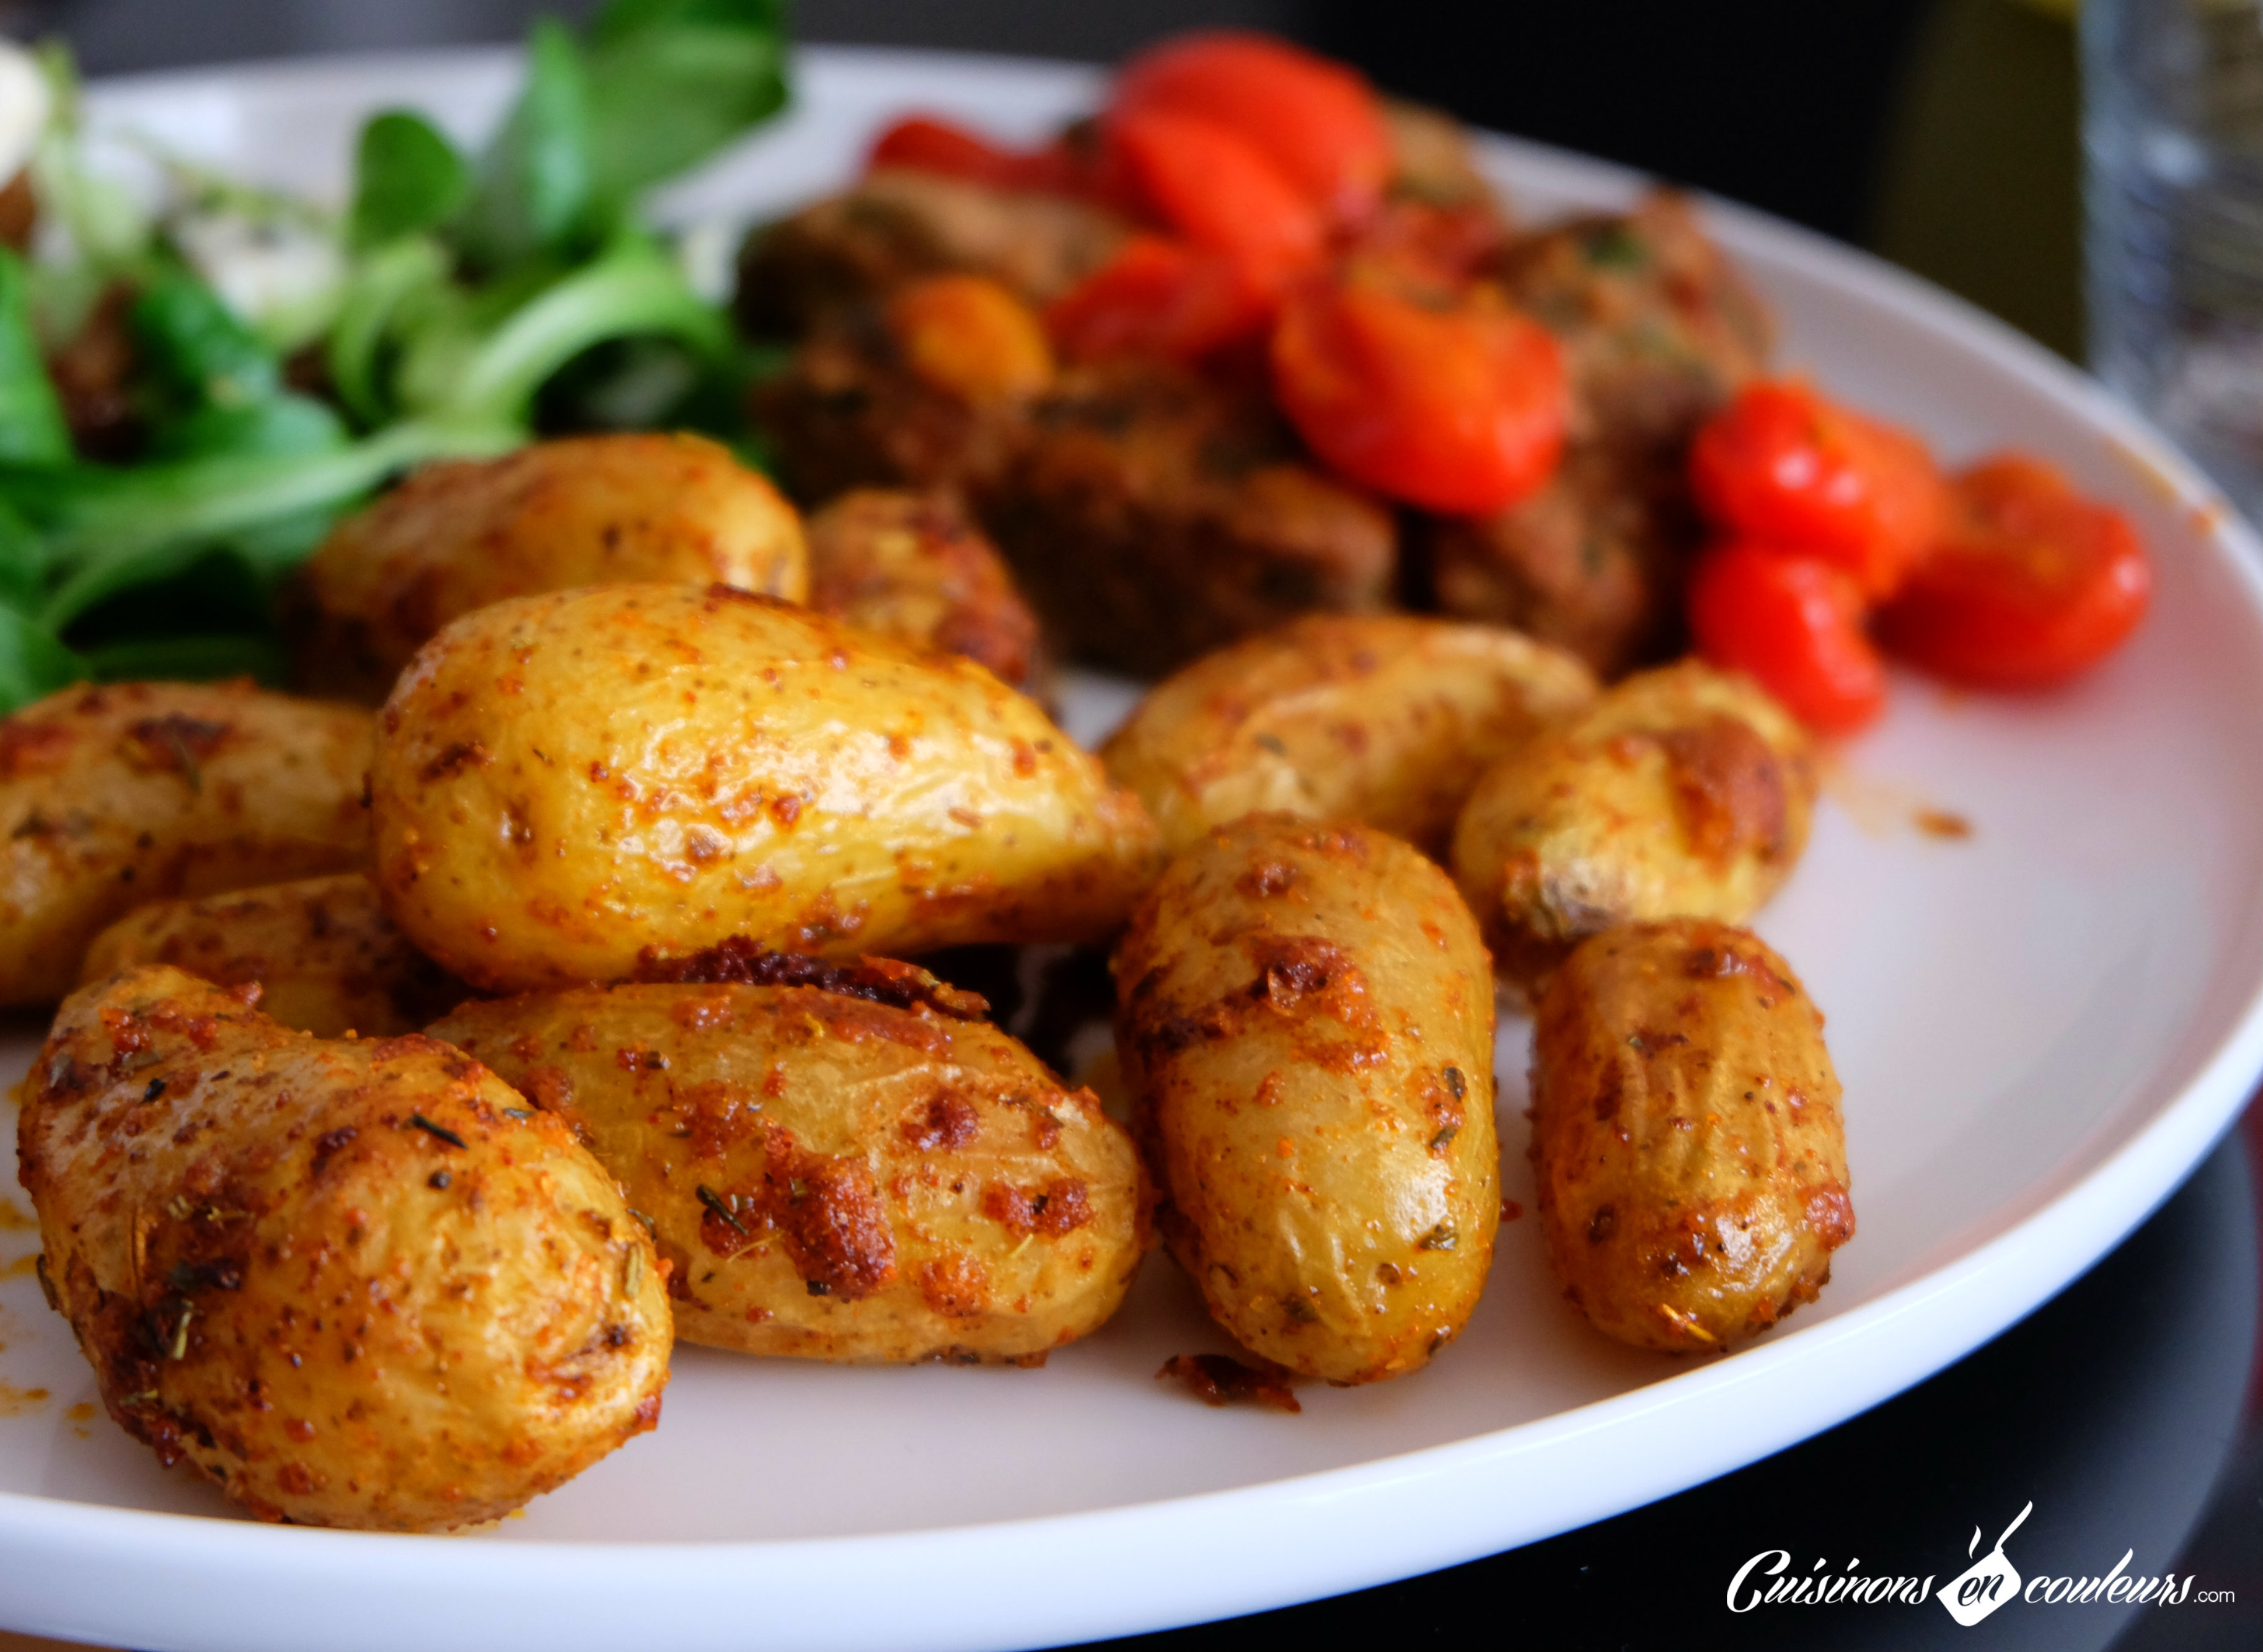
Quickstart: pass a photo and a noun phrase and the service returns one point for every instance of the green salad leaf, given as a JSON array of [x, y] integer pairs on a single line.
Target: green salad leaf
[[533, 186], [673, 82], [477, 296], [32, 427], [194, 349], [32, 662], [408, 179]]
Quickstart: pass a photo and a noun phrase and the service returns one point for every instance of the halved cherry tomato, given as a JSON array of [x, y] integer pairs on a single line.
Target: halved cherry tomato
[[922, 143], [1158, 297], [1782, 464], [2031, 583], [970, 336], [1459, 409], [1794, 623], [1212, 185], [1317, 121]]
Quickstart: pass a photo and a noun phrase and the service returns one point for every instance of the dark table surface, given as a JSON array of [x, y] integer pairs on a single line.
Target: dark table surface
[[2127, 1411]]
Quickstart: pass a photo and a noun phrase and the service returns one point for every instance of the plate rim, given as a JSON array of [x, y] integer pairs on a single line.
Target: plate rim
[[2033, 1259]]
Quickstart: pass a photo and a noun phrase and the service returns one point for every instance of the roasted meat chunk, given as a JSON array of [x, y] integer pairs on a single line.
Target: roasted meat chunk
[[1152, 516], [849, 411], [897, 224], [1658, 331]]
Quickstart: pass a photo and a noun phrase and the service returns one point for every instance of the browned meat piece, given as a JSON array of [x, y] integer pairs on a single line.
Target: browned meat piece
[[1154, 515], [849, 412], [1657, 327], [896, 225], [91, 374], [1658, 331], [1589, 563], [19, 211], [912, 566], [1431, 159]]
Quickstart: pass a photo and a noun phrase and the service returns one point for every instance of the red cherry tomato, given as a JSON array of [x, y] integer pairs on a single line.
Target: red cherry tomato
[[1794, 625], [1158, 297], [1318, 122], [1458, 407], [921, 144], [1781, 464], [2031, 584], [1208, 182]]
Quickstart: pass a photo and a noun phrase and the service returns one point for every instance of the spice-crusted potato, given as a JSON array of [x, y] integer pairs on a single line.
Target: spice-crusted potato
[[852, 1169], [327, 959], [1384, 720], [585, 510], [1304, 1018], [112, 797], [910, 566], [1691, 1158], [565, 782], [1681, 792], [356, 1282]]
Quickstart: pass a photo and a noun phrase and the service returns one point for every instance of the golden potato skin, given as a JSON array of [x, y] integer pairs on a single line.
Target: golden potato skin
[[882, 1183], [1681, 792], [1384, 720], [1304, 1018], [327, 959], [565, 782], [459, 534], [354, 1283], [1686, 1132], [911, 565], [112, 797]]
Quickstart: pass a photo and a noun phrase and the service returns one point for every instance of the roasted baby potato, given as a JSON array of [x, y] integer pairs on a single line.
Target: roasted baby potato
[[855, 1168], [585, 510], [1305, 1018], [565, 782], [910, 566], [1681, 792], [1384, 720], [1686, 1132], [116, 796], [327, 959], [354, 1283]]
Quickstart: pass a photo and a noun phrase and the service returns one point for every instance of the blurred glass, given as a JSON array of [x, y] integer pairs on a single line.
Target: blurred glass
[[2173, 133]]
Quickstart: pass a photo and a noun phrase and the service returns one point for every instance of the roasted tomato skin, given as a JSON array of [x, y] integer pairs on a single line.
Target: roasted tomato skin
[[2031, 585], [1458, 407], [1318, 122], [1790, 467], [1794, 625], [923, 143], [1158, 296], [1208, 183]]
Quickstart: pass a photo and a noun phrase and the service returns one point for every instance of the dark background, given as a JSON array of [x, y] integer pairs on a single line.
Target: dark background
[[1942, 134]]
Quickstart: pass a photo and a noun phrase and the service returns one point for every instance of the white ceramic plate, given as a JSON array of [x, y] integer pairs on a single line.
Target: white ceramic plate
[[2040, 1029]]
